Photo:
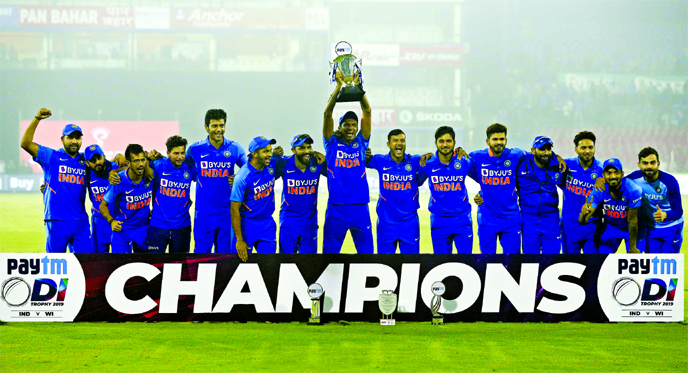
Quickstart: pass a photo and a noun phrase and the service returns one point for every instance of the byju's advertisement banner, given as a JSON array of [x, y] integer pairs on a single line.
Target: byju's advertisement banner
[[490, 288]]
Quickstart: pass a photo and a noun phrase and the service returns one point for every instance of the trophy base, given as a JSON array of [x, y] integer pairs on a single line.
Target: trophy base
[[314, 321], [351, 93], [437, 320], [387, 322]]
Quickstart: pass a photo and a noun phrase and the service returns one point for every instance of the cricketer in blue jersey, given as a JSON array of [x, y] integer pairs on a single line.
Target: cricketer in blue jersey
[[214, 159], [397, 206], [64, 171], [99, 174], [450, 210], [661, 212], [253, 201], [536, 184], [498, 211], [583, 173], [170, 223], [347, 206], [130, 204], [298, 216], [619, 203]]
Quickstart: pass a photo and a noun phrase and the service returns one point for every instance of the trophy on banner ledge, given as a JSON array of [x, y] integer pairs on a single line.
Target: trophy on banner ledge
[[315, 292], [437, 291], [352, 89], [388, 304]]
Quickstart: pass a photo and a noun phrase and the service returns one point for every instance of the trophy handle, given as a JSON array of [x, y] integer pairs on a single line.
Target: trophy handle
[[333, 73]]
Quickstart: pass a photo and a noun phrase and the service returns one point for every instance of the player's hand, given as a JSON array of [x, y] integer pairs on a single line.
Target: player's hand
[[120, 160], [660, 215], [424, 159], [633, 250], [319, 157], [242, 250], [599, 184], [460, 153], [478, 199], [339, 78], [116, 226], [43, 113], [368, 154], [231, 180], [43, 188], [153, 155], [357, 78], [586, 209], [278, 151], [113, 178], [562, 164]]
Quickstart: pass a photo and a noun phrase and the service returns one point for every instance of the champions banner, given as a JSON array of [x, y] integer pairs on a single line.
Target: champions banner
[[187, 287]]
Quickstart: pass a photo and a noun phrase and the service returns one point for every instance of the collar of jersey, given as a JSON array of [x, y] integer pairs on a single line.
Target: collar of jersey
[[62, 151]]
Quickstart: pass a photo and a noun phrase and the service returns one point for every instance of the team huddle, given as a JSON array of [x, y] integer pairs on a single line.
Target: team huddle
[[142, 199]]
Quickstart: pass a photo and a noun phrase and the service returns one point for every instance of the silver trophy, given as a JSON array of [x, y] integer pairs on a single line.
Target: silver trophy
[[388, 304], [315, 292], [352, 90], [437, 291]]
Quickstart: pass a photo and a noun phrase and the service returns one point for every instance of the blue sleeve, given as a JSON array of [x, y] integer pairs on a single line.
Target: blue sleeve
[[674, 196], [635, 175], [242, 159], [280, 163], [373, 163], [189, 156], [111, 194], [597, 197], [519, 153], [329, 142], [239, 188], [422, 174], [323, 169], [43, 156], [156, 163], [362, 140], [472, 170], [192, 172]]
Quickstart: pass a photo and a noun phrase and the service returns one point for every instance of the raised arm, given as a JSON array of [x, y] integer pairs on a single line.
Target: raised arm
[[366, 119], [27, 140], [328, 122]]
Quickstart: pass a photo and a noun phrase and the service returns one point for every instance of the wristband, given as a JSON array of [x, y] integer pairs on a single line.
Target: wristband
[[111, 220], [37, 118]]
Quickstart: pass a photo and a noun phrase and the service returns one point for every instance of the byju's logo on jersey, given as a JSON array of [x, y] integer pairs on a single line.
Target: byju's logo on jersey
[[631, 288], [40, 287]]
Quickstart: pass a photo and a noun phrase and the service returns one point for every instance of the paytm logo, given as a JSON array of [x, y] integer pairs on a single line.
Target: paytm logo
[[644, 266]]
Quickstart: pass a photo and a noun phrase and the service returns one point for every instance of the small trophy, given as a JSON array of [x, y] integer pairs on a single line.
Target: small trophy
[[345, 62], [437, 291], [315, 291], [388, 304]]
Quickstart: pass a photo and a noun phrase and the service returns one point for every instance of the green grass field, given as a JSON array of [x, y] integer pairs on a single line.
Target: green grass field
[[349, 347]]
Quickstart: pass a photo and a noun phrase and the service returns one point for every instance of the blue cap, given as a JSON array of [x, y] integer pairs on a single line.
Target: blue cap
[[612, 162], [541, 141], [300, 140], [93, 150], [348, 115], [71, 128], [259, 143]]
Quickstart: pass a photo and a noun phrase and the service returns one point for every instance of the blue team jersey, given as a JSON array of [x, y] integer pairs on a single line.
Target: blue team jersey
[[171, 194], [577, 184], [97, 186], [663, 192], [64, 178], [398, 200], [346, 173], [213, 167], [129, 202], [615, 211], [537, 190], [299, 191], [448, 196], [255, 190], [496, 176]]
